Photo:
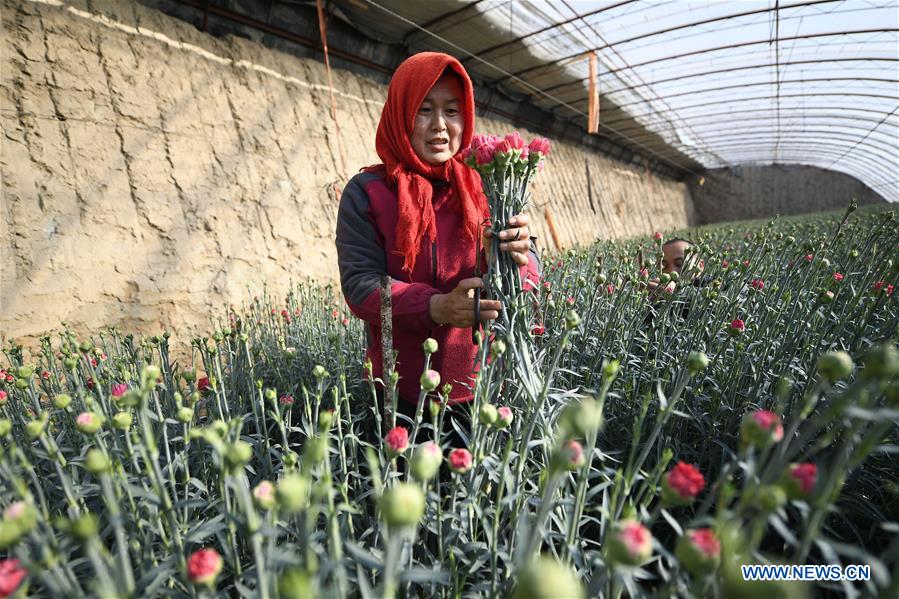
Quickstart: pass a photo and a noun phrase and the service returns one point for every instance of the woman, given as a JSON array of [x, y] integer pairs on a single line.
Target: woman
[[417, 218]]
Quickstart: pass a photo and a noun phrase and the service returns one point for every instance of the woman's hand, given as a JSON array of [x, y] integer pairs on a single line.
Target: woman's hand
[[516, 239], [456, 308]]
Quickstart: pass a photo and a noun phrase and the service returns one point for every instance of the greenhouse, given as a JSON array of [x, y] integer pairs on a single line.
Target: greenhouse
[[449, 298]]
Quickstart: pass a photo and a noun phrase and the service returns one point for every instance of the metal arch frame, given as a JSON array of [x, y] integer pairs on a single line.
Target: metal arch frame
[[869, 161], [855, 132], [633, 116], [709, 50], [555, 88], [833, 146], [765, 83], [860, 170], [689, 25], [811, 136], [842, 143], [495, 47], [408, 35], [793, 155], [809, 119]]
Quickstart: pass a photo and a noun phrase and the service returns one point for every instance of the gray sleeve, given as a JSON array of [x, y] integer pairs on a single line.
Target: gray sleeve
[[360, 255]]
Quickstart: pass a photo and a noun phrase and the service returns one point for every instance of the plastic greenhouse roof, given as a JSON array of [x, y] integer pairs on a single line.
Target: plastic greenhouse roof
[[692, 84]]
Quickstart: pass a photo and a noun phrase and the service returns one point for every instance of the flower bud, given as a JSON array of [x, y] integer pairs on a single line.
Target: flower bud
[[88, 423], [184, 415], [402, 505], [699, 551], [572, 320], [429, 380], [5, 427], [736, 327], [319, 372], [18, 520], [122, 421], [570, 456], [546, 578], [84, 527], [629, 544], [35, 428], [264, 495], [426, 460], [798, 480], [292, 492], [315, 451], [96, 462], [204, 566], [396, 441], [149, 374], [488, 414], [504, 417], [497, 348], [296, 583], [238, 454], [697, 362], [429, 346], [581, 418], [768, 498], [881, 362], [682, 484], [835, 366], [460, 460], [761, 429]]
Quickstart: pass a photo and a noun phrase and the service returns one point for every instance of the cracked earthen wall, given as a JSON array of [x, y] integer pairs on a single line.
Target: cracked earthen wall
[[152, 174]]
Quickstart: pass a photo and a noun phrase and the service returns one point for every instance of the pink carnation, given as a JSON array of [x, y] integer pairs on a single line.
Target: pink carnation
[[805, 474], [685, 480], [837, 277], [286, 400], [397, 440], [203, 566], [11, 576], [119, 389], [460, 460], [540, 145], [514, 141], [484, 155], [705, 540], [504, 415]]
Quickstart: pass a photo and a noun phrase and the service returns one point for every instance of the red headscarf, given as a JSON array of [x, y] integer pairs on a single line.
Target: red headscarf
[[411, 82]]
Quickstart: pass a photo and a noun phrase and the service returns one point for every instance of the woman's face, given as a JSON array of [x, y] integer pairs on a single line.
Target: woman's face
[[437, 131]]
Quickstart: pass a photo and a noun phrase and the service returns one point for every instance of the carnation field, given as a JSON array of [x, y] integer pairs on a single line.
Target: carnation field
[[624, 442]]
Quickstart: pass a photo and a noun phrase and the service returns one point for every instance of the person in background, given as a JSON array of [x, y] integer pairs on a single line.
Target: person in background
[[675, 258], [419, 217]]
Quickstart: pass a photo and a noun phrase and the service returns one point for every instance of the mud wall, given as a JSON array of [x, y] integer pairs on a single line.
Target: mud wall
[[153, 173]]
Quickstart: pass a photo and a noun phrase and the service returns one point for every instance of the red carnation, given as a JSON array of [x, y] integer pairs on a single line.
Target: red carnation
[[657, 236], [538, 330], [737, 326], [541, 145], [397, 441], [800, 480], [203, 567], [762, 428], [119, 389], [809, 257], [11, 576], [837, 277], [682, 484], [203, 384], [286, 400], [460, 460], [757, 284]]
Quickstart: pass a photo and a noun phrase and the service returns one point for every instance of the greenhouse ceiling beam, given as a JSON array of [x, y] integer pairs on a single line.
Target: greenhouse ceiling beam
[[727, 70], [875, 149], [861, 170], [707, 90], [810, 135], [558, 61], [873, 129], [431, 22], [495, 47], [731, 119], [632, 116], [834, 149], [757, 129]]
